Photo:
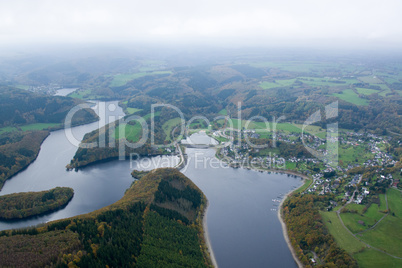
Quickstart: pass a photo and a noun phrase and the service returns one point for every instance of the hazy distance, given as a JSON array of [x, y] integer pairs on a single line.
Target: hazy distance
[[292, 23]]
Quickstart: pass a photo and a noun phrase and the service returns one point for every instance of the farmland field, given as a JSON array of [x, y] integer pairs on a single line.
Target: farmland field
[[277, 83], [223, 112], [350, 96], [366, 91], [122, 79], [133, 133], [169, 125], [388, 233], [369, 218], [370, 258], [288, 127], [349, 154], [371, 80], [385, 92], [344, 239], [7, 129], [39, 126], [132, 110]]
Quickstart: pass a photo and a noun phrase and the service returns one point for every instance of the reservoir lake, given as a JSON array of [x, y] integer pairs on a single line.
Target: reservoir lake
[[242, 218]]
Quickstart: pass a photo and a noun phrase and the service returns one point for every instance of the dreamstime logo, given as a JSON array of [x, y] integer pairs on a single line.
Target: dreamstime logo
[[236, 134]]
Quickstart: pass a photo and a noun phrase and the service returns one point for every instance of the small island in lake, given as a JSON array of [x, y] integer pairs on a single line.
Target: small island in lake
[[24, 205]]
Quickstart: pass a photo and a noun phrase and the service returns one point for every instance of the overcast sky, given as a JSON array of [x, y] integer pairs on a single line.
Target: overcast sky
[[251, 22]]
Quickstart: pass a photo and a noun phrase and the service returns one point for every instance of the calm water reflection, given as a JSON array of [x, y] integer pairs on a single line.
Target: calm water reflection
[[94, 187], [242, 217]]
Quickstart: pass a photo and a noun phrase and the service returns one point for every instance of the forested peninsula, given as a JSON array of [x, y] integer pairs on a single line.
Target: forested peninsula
[[24, 205], [157, 223]]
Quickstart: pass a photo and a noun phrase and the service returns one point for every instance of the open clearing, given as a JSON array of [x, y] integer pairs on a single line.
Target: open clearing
[[341, 235], [388, 233], [39, 126], [371, 80], [366, 91], [36, 126], [370, 258], [133, 133], [351, 220], [169, 125], [350, 96], [277, 83], [122, 79]]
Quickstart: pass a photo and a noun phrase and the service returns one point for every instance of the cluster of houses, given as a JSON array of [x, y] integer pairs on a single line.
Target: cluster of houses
[[49, 89], [321, 184]]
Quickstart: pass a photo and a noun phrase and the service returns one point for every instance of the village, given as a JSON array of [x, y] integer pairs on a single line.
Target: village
[[327, 178]]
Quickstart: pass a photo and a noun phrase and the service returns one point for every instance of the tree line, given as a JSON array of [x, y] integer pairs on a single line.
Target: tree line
[[23, 205]]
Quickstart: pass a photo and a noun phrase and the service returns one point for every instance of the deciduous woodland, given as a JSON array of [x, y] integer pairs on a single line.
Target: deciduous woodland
[[239, 91], [17, 151], [308, 234], [25, 121], [158, 223], [24, 205]]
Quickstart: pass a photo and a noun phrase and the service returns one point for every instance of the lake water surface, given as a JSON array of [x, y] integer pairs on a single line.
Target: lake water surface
[[242, 217], [242, 220], [94, 187]]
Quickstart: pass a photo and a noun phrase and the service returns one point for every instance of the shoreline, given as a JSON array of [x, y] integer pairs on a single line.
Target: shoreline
[[206, 236], [280, 207], [285, 230]]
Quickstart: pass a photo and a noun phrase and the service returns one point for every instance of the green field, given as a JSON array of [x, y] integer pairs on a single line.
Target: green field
[[36, 126], [319, 82], [350, 96], [388, 233], [385, 92], [304, 187], [237, 123], [122, 79], [169, 125], [220, 139], [80, 94], [342, 237], [7, 129], [371, 80], [366, 91], [39, 126], [223, 112], [84, 94], [132, 110], [349, 154], [290, 165], [370, 258], [292, 66], [133, 133], [371, 216], [277, 83], [313, 130]]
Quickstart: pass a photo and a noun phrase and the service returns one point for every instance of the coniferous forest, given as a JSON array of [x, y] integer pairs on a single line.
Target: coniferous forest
[[137, 231]]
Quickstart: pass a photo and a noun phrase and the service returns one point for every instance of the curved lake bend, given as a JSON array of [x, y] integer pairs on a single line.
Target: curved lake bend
[[94, 187], [242, 217]]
